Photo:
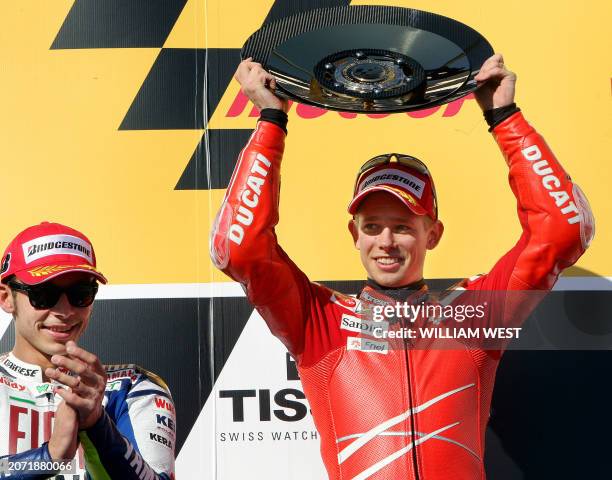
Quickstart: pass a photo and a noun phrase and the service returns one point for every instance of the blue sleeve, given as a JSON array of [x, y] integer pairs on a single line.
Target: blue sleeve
[[40, 454], [135, 437], [109, 455]]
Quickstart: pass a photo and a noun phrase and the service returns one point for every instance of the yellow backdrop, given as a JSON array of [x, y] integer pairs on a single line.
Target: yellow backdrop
[[65, 159]]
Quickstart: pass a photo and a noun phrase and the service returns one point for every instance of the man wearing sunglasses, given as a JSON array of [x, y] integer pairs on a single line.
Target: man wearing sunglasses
[[388, 413], [56, 396]]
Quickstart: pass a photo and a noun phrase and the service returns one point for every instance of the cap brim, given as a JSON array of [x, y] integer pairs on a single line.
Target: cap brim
[[414, 207], [41, 275]]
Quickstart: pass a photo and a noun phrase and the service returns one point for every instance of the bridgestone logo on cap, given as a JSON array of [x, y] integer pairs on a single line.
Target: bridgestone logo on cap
[[56, 245], [391, 176]]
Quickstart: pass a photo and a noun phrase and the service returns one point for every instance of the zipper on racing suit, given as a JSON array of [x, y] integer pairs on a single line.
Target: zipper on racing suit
[[413, 436], [419, 294]]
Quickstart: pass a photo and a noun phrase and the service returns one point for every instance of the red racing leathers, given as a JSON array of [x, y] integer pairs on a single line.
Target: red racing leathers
[[400, 413]]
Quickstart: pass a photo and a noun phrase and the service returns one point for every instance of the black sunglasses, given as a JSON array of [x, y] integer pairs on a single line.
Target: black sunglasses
[[402, 159], [46, 295]]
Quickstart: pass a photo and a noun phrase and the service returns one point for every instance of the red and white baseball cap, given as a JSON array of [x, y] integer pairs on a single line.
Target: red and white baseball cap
[[45, 251], [405, 177]]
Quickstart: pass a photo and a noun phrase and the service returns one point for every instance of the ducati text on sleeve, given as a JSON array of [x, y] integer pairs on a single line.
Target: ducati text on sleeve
[[250, 198], [552, 182], [56, 245]]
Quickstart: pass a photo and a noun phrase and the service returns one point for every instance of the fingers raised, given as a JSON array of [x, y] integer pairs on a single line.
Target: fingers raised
[[258, 85], [492, 61], [82, 363], [245, 68], [61, 377], [81, 354], [72, 399]]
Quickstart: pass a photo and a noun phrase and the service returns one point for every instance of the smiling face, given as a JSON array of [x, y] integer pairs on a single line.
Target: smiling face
[[39, 334], [392, 241]]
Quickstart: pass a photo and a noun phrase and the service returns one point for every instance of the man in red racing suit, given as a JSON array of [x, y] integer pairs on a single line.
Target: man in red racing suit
[[389, 413]]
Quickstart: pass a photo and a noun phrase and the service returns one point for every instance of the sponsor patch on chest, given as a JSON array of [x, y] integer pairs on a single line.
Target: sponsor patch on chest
[[359, 325], [367, 345]]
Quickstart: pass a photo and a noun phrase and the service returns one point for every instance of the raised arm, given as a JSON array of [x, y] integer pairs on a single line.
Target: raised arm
[[555, 216], [557, 224], [243, 241]]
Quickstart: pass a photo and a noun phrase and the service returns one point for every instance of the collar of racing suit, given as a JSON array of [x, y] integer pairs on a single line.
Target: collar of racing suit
[[393, 294], [21, 370], [375, 294]]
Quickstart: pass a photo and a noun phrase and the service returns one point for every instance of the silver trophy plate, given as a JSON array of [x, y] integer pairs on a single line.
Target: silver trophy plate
[[370, 58]]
